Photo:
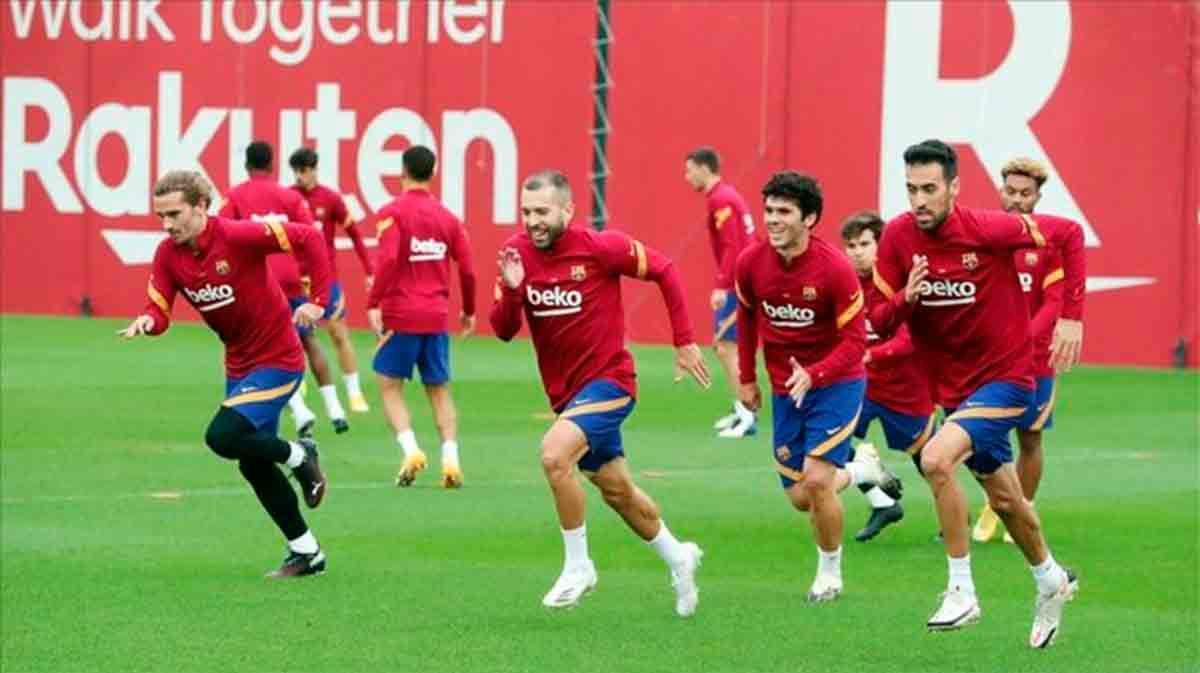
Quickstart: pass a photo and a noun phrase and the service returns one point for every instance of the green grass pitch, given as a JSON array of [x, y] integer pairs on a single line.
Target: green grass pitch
[[128, 546]]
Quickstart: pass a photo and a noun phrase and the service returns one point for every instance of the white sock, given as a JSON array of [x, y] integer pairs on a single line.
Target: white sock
[[859, 473], [333, 406], [407, 441], [305, 544], [300, 411], [666, 545], [829, 562], [449, 452], [960, 574], [352, 386], [575, 544], [1048, 576], [296, 456], [742, 412], [879, 499]]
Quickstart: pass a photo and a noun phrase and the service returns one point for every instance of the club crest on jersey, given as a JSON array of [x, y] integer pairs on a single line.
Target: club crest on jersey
[[809, 293], [1031, 258], [222, 267], [782, 453], [578, 272], [970, 261]]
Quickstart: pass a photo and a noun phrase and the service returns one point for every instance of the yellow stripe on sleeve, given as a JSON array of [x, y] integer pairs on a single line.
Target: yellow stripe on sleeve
[[1053, 277], [640, 251], [156, 297], [882, 284], [280, 235], [721, 215], [851, 310], [1032, 226]]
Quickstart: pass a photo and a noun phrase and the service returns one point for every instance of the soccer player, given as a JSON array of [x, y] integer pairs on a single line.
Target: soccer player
[[219, 265], [960, 295], [1041, 274], [262, 199], [328, 208], [566, 281], [897, 390], [730, 228], [409, 308], [801, 294]]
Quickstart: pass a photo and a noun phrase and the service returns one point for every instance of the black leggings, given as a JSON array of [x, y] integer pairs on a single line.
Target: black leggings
[[230, 435]]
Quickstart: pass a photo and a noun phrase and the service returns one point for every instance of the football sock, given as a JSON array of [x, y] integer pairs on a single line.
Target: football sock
[[859, 474], [666, 545], [300, 410], [878, 498], [449, 452], [829, 562], [333, 406], [352, 385], [1048, 576], [575, 546], [305, 544], [960, 574], [407, 441], [742, 412], [296, 457]]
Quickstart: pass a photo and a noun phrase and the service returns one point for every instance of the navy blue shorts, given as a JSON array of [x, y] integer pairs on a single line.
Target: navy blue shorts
[[1040, 415], [398, 352], [599, 409], [820, 427], [261, 395], [903, 432], [725, 319], [988, 415]]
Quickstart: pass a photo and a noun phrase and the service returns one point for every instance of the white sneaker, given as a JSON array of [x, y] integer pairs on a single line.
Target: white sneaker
[[1047, 612], [958, 609], [740, 428], [571, 586], [825, 588], [726, 421], [683, 580]]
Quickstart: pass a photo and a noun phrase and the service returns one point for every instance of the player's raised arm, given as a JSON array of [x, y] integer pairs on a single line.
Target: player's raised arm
[[271, 235], [850, 322], [506, 309], [747, 337]]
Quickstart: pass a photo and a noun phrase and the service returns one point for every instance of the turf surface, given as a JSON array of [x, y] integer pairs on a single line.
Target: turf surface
[[128, 546]]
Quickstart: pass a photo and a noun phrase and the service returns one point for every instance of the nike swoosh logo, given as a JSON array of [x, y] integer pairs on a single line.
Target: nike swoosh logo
[[830, 433]]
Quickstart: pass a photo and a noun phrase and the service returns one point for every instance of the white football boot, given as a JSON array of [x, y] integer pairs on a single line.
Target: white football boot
[[571, 586], [683, 580], [958, 609], [1047, 611]]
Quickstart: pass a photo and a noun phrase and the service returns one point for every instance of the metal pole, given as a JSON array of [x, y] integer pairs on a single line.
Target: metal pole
[[600, 126]]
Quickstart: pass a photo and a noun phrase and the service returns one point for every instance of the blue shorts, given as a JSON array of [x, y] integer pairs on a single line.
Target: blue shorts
[[599, 409], [903, 432], [988, 414], [334, 311], [820, 427], [725, 319], [398, 352], [1040, 415], [261, 395]]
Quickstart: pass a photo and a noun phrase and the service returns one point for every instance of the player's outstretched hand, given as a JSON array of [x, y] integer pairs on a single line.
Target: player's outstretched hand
[[512, 269], [307, 314], [375, 320], [718, 298], [689, 359], [1067, 344], [140, 326], [798, 383], [468, 324], [749, 396], [920, 269]]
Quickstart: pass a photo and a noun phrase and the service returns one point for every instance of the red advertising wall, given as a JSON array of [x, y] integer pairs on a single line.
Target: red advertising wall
[[100, 97]]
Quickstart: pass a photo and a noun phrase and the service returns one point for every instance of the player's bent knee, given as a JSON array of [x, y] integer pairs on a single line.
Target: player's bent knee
[[226, 431], [554, 464]]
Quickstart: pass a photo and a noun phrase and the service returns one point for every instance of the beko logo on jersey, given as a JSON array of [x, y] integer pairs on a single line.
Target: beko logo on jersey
[[947, 292], [789, 316], [426, 250], [210, 296], [555, 301], [1026, 281]]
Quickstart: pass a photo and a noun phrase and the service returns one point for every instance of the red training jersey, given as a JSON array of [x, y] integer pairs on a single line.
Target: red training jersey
[[1041, 275], [418, 237], [730, 229], [571, 297], [894, 378], [226, 279], [970, 325], [261, 198], [809, 308], [329, 209]]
